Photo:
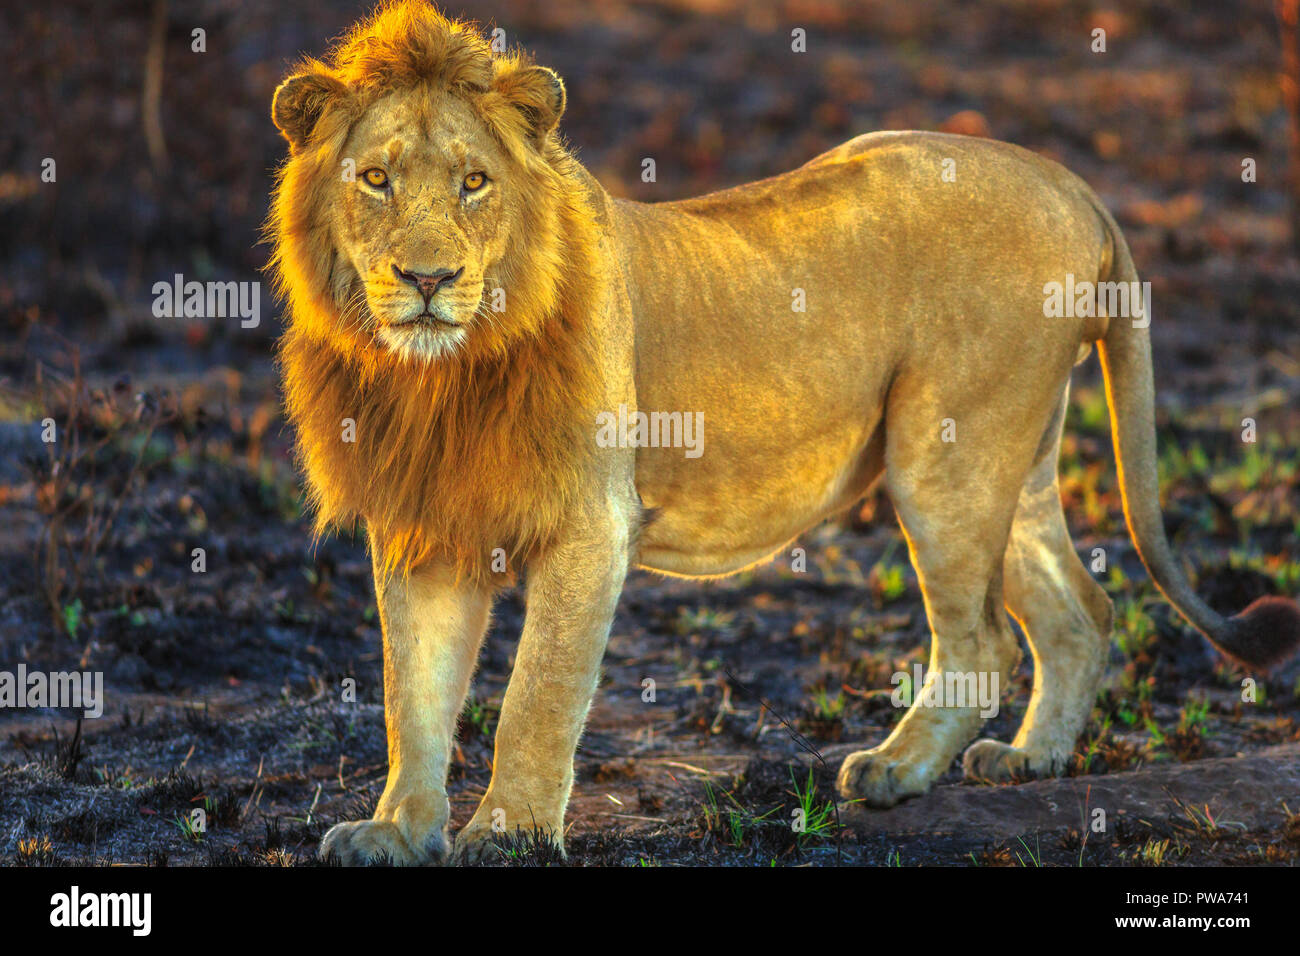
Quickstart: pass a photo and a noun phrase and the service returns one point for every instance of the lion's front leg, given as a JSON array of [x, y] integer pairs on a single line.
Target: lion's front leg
[[572, 593], [433, 627]]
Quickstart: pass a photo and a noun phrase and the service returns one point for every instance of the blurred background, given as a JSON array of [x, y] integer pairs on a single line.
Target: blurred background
[[164, 155], [171, 437]]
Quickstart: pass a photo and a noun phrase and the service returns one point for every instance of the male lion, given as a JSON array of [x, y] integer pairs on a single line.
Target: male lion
[[467, 304]]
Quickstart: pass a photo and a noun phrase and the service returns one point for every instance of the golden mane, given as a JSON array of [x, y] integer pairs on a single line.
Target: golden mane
[[482, 449]]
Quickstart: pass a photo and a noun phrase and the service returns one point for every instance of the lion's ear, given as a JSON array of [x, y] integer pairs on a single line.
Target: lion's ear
[[299, 103], [538, 93]]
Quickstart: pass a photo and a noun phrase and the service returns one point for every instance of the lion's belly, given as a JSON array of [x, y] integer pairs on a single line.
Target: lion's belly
[[731, 508]]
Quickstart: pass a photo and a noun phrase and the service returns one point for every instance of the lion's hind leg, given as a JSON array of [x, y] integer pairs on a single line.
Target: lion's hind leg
[[955, 503], [1067, 621]]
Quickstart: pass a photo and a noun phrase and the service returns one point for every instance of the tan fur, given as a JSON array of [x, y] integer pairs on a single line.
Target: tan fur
[[476, 430]]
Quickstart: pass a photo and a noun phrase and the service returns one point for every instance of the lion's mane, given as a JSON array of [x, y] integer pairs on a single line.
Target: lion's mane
[[485, 448]]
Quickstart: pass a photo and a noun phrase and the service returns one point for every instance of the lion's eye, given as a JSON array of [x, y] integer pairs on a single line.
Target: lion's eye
[[474, 182], [376, 177]]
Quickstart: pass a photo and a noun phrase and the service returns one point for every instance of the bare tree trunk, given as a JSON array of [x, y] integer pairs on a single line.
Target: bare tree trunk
[[153, 82], [1288, 13]]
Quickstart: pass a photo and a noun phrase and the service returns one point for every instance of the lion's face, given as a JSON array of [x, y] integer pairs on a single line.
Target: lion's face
[[423, 209], [424, 221]]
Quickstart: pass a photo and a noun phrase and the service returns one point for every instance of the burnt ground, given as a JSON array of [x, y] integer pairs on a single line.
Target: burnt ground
[[223, 688]]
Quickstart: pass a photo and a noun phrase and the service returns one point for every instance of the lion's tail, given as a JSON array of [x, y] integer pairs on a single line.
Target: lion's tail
[[1267, 632]]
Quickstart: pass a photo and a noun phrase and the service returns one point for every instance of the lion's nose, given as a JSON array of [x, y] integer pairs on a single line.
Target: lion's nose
[[428, 282]]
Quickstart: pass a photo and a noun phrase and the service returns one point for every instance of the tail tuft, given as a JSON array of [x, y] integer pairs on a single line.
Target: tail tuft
[[1264, 635], [1267, 633]]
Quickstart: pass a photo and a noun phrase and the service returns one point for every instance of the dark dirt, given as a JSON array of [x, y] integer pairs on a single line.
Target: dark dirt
[[223, 688]]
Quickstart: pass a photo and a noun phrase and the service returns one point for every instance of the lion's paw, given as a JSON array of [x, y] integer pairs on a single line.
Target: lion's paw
[[372, 842], [879, 779], [992, 761], [479, 844], [475, 845]]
